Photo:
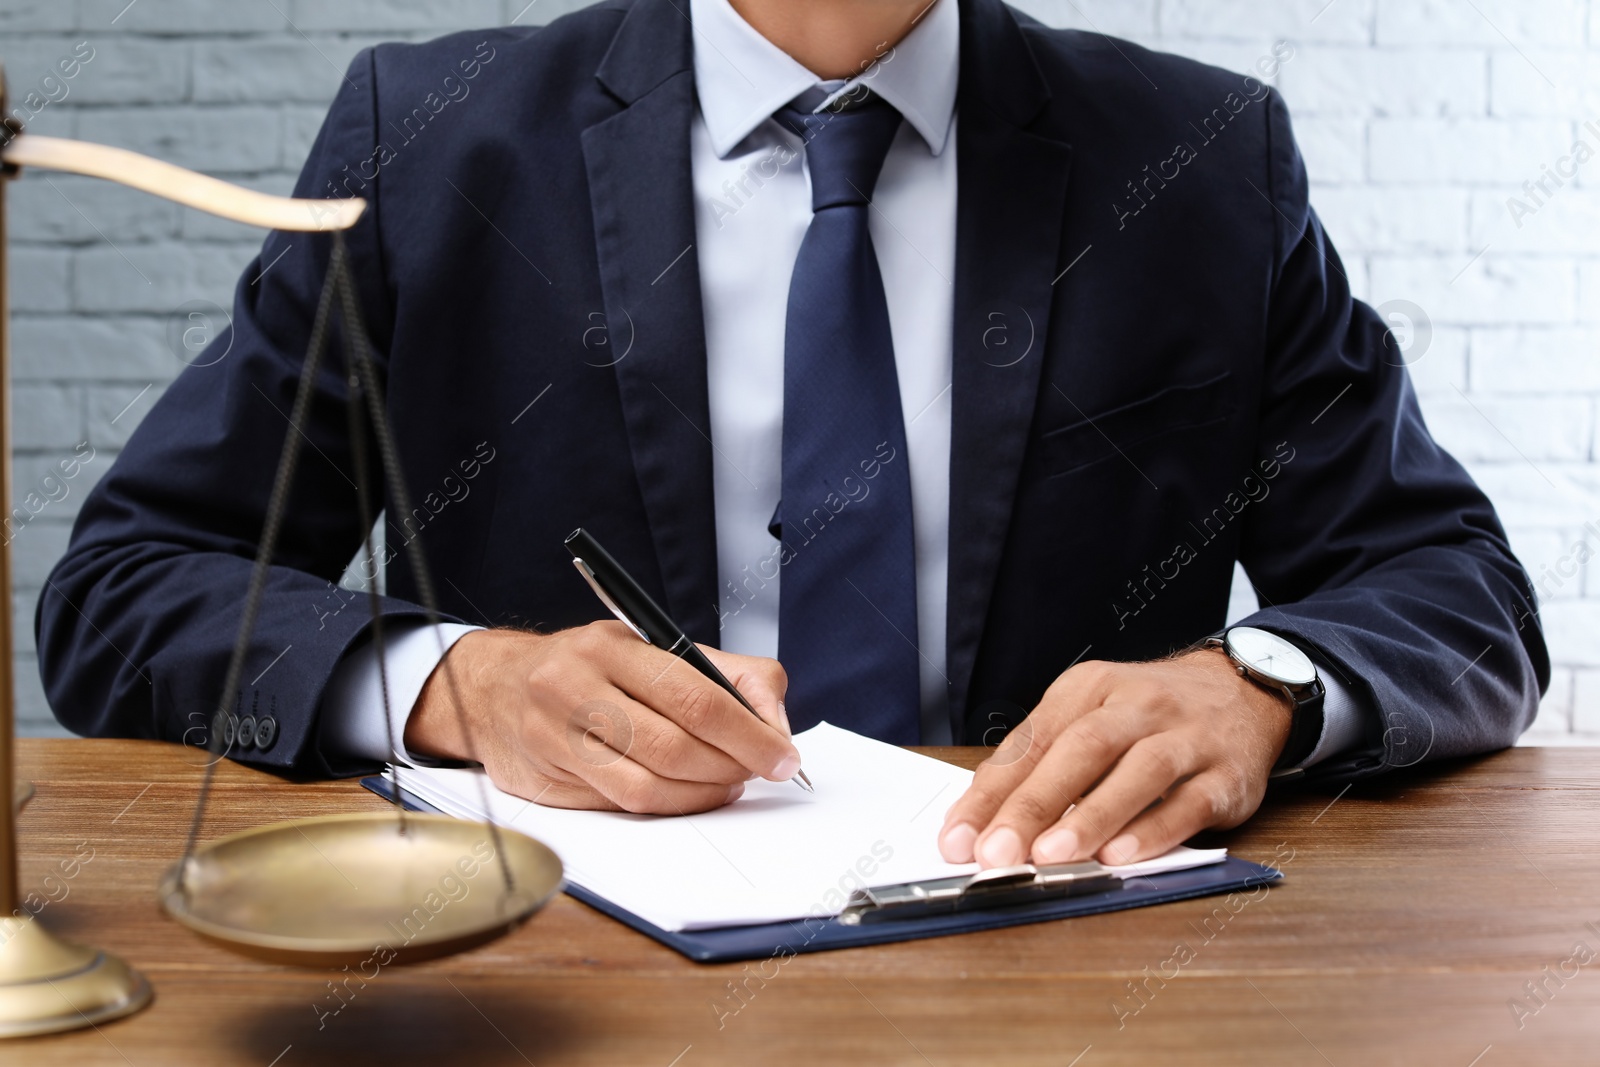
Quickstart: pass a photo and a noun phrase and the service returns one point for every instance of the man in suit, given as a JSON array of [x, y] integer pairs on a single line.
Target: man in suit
[[947, 359]]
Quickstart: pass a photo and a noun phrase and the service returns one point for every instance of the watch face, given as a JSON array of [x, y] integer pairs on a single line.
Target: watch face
[[1270, 655]]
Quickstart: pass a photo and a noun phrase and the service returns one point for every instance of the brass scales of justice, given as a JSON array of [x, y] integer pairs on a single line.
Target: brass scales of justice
[[318, 892]]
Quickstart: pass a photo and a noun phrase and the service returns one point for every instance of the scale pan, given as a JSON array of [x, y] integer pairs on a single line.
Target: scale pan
[[349, 889]]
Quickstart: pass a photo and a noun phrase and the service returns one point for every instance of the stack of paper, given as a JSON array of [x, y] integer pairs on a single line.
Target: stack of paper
[[774, 854]]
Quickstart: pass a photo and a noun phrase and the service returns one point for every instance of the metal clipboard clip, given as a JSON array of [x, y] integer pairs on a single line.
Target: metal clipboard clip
[[998, 887]]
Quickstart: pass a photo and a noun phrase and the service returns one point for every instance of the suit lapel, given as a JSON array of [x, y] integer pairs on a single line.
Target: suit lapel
[[641, 195], [1012, 186]]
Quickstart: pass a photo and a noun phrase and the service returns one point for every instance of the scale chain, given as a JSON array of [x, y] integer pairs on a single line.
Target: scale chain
[[363, 379]]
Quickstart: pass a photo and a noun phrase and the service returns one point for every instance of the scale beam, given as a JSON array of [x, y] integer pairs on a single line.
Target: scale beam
[[179, 185]]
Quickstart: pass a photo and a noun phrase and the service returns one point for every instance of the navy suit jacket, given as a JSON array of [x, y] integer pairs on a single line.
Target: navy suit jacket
[[1158, 369]]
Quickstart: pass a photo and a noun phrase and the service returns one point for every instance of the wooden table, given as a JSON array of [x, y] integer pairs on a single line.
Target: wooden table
[[1414, 912]]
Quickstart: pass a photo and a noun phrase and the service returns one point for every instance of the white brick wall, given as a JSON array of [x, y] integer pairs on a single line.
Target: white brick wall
[[1418, 120]]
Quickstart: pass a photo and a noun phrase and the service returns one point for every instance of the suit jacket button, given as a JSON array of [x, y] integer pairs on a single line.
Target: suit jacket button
[[229, 731], [247, 732], [266, 732]]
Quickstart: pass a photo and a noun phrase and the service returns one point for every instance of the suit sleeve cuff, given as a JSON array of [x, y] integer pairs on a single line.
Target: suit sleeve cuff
[[352, 705]]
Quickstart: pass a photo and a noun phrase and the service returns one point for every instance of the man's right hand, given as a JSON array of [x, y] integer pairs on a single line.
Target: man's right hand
[[592, 717]]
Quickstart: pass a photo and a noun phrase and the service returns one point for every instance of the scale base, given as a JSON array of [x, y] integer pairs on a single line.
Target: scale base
[[48, 985]]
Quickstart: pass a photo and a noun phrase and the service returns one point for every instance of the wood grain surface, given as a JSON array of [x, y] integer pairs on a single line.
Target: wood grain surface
[[1414, 915]]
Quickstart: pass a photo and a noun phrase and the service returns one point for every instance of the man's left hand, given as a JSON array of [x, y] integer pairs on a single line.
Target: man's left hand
[[1079, 776]]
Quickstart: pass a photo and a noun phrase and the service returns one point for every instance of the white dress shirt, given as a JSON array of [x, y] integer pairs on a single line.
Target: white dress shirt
[[752, 200], [752, 208]]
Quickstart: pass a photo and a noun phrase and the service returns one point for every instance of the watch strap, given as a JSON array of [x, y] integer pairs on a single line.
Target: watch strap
[[1305, 727]]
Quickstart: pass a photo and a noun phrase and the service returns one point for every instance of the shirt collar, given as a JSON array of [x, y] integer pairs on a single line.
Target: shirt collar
[[742, 78]]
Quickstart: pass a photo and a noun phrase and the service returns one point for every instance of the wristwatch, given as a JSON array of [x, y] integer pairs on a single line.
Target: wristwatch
[[1280, 666]]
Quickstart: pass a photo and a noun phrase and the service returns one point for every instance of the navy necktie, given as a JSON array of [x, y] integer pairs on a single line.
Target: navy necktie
[[847, 602]]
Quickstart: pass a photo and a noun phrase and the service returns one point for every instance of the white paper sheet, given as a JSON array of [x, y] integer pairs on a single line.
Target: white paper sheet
[[774, 854]]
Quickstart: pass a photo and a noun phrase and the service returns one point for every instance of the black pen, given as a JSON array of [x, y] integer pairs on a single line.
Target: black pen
[[630, 603]]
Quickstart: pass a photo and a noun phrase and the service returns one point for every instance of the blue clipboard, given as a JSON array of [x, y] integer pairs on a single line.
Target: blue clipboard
[[769, 940]]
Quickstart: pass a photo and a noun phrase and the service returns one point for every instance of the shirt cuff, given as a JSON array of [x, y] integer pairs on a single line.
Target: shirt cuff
[[352, 705], [1344, 721]]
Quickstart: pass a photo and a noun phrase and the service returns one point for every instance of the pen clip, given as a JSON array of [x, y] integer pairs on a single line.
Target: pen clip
[[605, 598]]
